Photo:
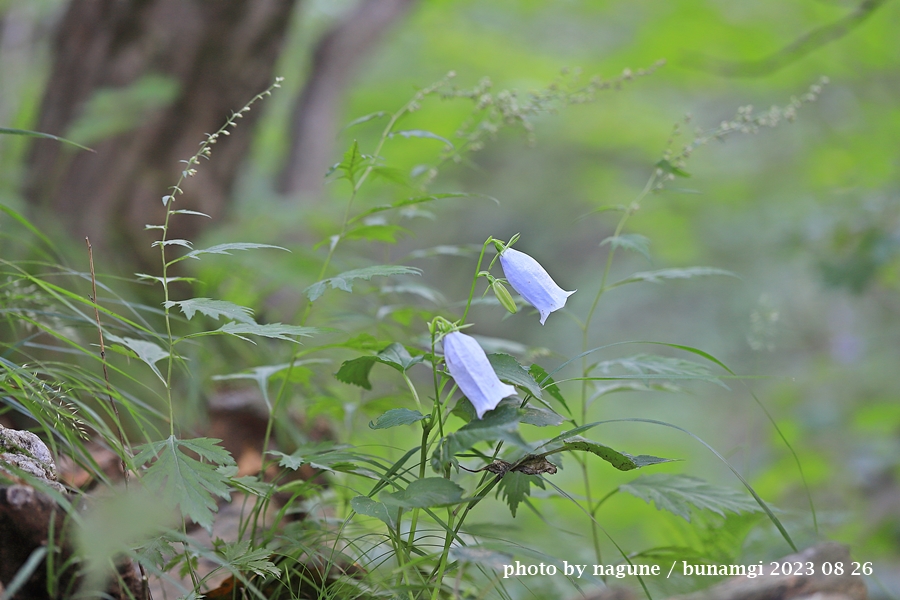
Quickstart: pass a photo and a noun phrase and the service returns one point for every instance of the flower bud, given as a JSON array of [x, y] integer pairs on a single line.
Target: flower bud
[[532, 282], [473, 373], [503, 296]]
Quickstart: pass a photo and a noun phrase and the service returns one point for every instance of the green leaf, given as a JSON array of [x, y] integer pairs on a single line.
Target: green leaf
[[184, 243], [213, 308], [366, 118], [509, 370], [675, 493], [114, 110], [395, 417], [651, 364], [629, 241], [226, 248], [38, 134], [239, 557], [502, 423], [352, 163], [325, 456], [514, 486], [664, 274], [184, 480], [28, 225], [419, 133], [666, 167], [185, 211], [543, 379], [148, 352], [620, 460], [276, 331], [540, 417], [424, 493], [371, 508], [376, 233], [344, 281], [356, 371]]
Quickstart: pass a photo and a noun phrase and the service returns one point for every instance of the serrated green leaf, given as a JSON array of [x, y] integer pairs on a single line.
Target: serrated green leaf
[[184, 480], [241, 558], [395, 417], [620, 460], [226, 248], [424, 493], [351, 163], [212, 308], [420, 133], [344, 281], [546, 383], [371, 508], [327, 456], [514, 486], [664, 274], [651, 364], [148, 352], [675, 493], [278, 331], [629, 241], [509, 370], [185, 243]]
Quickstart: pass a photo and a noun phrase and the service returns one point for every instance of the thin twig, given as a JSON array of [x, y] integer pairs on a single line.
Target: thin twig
[[103, 360]]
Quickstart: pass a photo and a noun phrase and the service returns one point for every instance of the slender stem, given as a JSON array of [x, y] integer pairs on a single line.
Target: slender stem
[[585, 330], [112, 402], [475, 280], [443, 561]]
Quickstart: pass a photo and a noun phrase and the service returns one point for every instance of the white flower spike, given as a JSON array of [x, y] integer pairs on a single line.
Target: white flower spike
[[473, 373], [532, 282]]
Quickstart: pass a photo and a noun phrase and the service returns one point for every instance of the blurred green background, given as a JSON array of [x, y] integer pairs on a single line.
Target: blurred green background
[[806, 214]]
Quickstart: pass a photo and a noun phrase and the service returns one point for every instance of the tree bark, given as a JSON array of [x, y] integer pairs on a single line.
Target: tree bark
[[335, 60], [219, 53]]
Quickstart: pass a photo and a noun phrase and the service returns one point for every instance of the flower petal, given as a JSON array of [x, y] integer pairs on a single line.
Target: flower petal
[[532, 282], [473, 373]]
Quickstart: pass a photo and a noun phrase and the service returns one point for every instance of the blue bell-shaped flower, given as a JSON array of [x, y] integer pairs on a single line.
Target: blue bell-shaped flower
[[473, 373], [532, 282]]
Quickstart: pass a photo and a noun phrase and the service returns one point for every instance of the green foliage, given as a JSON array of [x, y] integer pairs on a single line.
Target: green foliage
[[413, 544], [344, 281], [186, 481], [677, 493], [620, 460], [395, 417]]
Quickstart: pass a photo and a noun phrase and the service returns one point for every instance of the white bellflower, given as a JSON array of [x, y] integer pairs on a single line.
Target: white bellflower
[[473, 373], [532, 282]]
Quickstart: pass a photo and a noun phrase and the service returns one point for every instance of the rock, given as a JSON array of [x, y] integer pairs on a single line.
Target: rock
[[25, 452]]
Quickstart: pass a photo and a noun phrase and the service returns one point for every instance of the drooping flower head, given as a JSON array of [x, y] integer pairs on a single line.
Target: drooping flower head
[[473, 373], [532, 282]]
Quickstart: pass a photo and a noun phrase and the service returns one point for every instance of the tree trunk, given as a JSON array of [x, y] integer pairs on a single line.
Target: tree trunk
[[335, 60], [214, 54]]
